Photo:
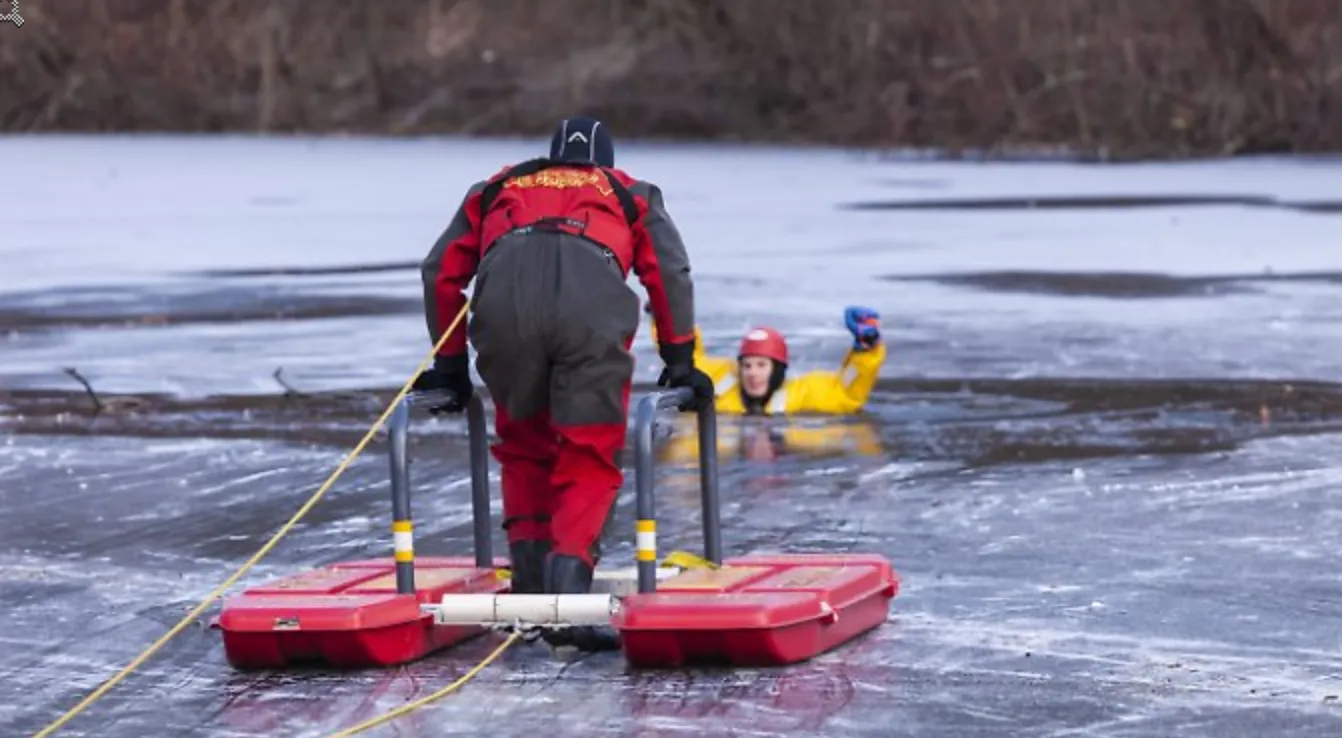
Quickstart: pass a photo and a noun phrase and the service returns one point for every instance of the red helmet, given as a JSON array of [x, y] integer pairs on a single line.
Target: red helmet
[[765, 342]]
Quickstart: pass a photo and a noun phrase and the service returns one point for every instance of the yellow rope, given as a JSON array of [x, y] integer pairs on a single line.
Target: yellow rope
[[307, 507], [449, 689]]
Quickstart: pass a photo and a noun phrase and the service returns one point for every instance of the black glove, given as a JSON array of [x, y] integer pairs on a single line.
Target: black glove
[[451, 374], [680, 371]]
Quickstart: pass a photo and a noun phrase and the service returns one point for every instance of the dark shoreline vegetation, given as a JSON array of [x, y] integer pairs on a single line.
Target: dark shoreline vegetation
[[1034, 420], [1096, 78]]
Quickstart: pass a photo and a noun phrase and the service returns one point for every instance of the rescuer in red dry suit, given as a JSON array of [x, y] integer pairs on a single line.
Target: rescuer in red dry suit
[[552, 241]]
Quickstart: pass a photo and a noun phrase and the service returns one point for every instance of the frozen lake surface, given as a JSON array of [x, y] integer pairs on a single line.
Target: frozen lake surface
[[1102, 455]]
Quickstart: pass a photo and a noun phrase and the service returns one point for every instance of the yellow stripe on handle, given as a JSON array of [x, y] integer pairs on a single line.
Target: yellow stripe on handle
[[403, 540], [646, 540]]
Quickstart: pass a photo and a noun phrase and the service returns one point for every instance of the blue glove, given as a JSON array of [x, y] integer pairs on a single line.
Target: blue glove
[[865, 325]]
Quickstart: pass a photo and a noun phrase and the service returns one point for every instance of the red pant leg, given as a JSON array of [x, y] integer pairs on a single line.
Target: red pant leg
[[587, 479], [526, 453]]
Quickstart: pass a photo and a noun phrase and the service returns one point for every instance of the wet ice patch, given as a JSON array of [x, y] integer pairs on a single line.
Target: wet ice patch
[[1196, 674], [242, 253], [1117, 284], [151, 306], [1181, 541], [1099, 202]]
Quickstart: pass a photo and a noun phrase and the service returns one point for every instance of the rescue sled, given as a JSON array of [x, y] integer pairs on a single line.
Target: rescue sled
[[760, 610]]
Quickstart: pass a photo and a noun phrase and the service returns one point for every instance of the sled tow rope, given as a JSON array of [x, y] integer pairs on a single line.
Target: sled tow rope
[[284, 529]]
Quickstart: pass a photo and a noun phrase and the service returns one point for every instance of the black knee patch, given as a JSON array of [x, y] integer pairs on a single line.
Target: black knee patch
[[508, 522]]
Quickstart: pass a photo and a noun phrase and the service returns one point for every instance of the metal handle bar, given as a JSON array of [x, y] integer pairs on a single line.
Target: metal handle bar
[[398, 431], [644, 419]]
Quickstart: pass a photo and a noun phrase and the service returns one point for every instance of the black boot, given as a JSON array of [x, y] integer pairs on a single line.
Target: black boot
[[572, 575], [528, 562]]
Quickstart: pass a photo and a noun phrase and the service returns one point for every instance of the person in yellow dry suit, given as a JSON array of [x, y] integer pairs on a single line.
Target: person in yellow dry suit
[[756, 382]]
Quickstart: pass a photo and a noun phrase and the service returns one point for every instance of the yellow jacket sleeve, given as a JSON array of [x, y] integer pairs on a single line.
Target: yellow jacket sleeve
[[720, 369], [836, 393], [716, 367]]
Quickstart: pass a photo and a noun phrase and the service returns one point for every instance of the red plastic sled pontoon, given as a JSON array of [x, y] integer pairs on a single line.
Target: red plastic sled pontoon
[[750, 611], [376, 612], [757, 610], [349, 615]]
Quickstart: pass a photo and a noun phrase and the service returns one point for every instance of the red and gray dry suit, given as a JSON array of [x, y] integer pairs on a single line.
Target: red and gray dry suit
[[550, 245]]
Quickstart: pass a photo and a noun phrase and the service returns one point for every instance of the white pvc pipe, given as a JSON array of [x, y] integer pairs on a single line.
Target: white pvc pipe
[[530, 609], [631, 574], [624, 582]]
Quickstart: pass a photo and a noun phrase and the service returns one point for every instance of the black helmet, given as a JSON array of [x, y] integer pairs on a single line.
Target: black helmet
[[584, 140]]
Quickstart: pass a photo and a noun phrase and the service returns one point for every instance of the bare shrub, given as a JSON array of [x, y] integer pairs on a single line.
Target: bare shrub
[[1136, 78]]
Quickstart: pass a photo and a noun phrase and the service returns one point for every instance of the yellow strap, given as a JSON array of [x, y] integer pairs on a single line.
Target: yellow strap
[[687, 560]]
